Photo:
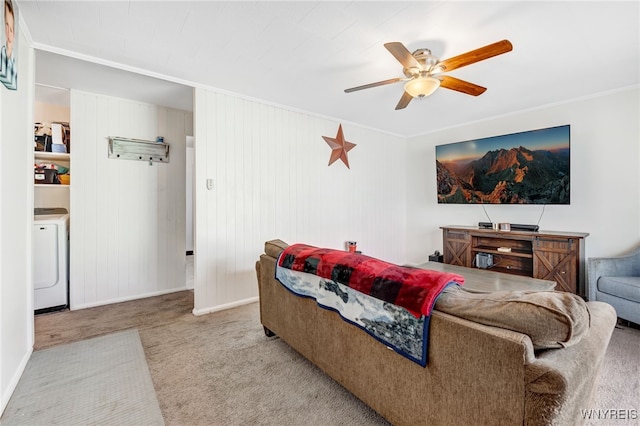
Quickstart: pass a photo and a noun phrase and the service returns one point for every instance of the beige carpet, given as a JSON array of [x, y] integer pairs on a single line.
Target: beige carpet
[[220, 369], [618, 391], [216, 369]]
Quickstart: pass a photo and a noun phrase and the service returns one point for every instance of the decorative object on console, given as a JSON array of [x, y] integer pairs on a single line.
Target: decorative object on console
[[530, 167], [503, 226], [339, 147], [436, 257], [423, 71]]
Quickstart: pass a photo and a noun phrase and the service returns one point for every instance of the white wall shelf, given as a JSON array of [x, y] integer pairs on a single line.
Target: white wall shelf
[[138, 149], [58, 156]]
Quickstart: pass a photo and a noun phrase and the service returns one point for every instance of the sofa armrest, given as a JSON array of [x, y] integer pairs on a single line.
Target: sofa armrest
[[620, 266], [568, 377]]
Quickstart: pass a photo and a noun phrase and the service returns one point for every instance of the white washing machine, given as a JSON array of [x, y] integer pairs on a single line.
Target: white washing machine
[[50, 258]]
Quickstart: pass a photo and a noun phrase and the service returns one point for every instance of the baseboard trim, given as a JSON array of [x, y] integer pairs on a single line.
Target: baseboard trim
[[74, 307], [198, 312]]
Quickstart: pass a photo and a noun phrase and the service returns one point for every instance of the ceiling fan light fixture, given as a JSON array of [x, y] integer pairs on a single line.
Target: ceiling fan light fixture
[[421, 86]]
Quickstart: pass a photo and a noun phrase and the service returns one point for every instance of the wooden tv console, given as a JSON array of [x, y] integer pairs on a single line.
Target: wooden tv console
[[547, 255]]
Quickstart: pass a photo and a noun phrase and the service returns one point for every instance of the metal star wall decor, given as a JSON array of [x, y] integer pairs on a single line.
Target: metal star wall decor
[[339, 147]]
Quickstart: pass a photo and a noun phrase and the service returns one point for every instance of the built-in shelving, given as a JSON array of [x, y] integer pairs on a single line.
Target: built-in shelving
[[51, 107], [527, 254], [53, 157]]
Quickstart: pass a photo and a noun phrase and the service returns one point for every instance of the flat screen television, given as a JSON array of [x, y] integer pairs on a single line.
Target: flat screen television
[[529, 167]]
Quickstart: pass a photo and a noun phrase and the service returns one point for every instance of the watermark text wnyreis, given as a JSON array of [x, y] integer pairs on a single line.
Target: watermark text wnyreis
[[610, 414]]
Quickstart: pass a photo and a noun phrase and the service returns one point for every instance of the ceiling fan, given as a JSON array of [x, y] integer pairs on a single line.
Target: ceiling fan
[[423, 71]]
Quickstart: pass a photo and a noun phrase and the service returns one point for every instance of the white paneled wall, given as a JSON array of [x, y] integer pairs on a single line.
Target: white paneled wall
[[127, 217], [16, 220], [271, 180]]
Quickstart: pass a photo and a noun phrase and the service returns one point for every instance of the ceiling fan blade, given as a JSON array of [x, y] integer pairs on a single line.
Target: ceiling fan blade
[[404, 101], [370, 85], [402, 54], [477, 55], [458, 85]]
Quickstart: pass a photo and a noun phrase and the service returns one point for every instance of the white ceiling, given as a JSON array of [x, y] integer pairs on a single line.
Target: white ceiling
[[303, 54]]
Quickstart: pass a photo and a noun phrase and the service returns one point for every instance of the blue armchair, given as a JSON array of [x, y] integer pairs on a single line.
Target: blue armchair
[[616, 281]]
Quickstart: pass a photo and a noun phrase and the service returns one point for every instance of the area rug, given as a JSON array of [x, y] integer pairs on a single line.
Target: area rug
[[103, 380]]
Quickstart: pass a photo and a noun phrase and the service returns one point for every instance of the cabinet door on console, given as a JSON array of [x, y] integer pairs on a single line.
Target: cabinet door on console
[[457, 247], [556, 260]]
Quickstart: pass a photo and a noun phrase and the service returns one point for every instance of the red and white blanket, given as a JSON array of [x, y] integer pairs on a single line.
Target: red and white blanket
[[391, 303], [414, 289]]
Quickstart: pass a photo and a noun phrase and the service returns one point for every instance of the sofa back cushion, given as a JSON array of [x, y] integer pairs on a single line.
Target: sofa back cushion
[[552, 319]]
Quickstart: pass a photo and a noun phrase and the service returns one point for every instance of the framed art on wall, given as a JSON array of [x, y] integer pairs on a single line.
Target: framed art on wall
[[531, 167], [9, 54]]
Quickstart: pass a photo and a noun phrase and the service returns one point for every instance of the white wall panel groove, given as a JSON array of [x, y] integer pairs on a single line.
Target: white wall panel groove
[[127, 217], [271, 180]]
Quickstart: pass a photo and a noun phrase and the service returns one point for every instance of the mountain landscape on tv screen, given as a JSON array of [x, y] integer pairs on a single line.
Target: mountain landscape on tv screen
[[507, 176]]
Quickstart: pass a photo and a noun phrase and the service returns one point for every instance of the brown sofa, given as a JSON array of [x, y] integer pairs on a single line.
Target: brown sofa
[[476, 374]]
